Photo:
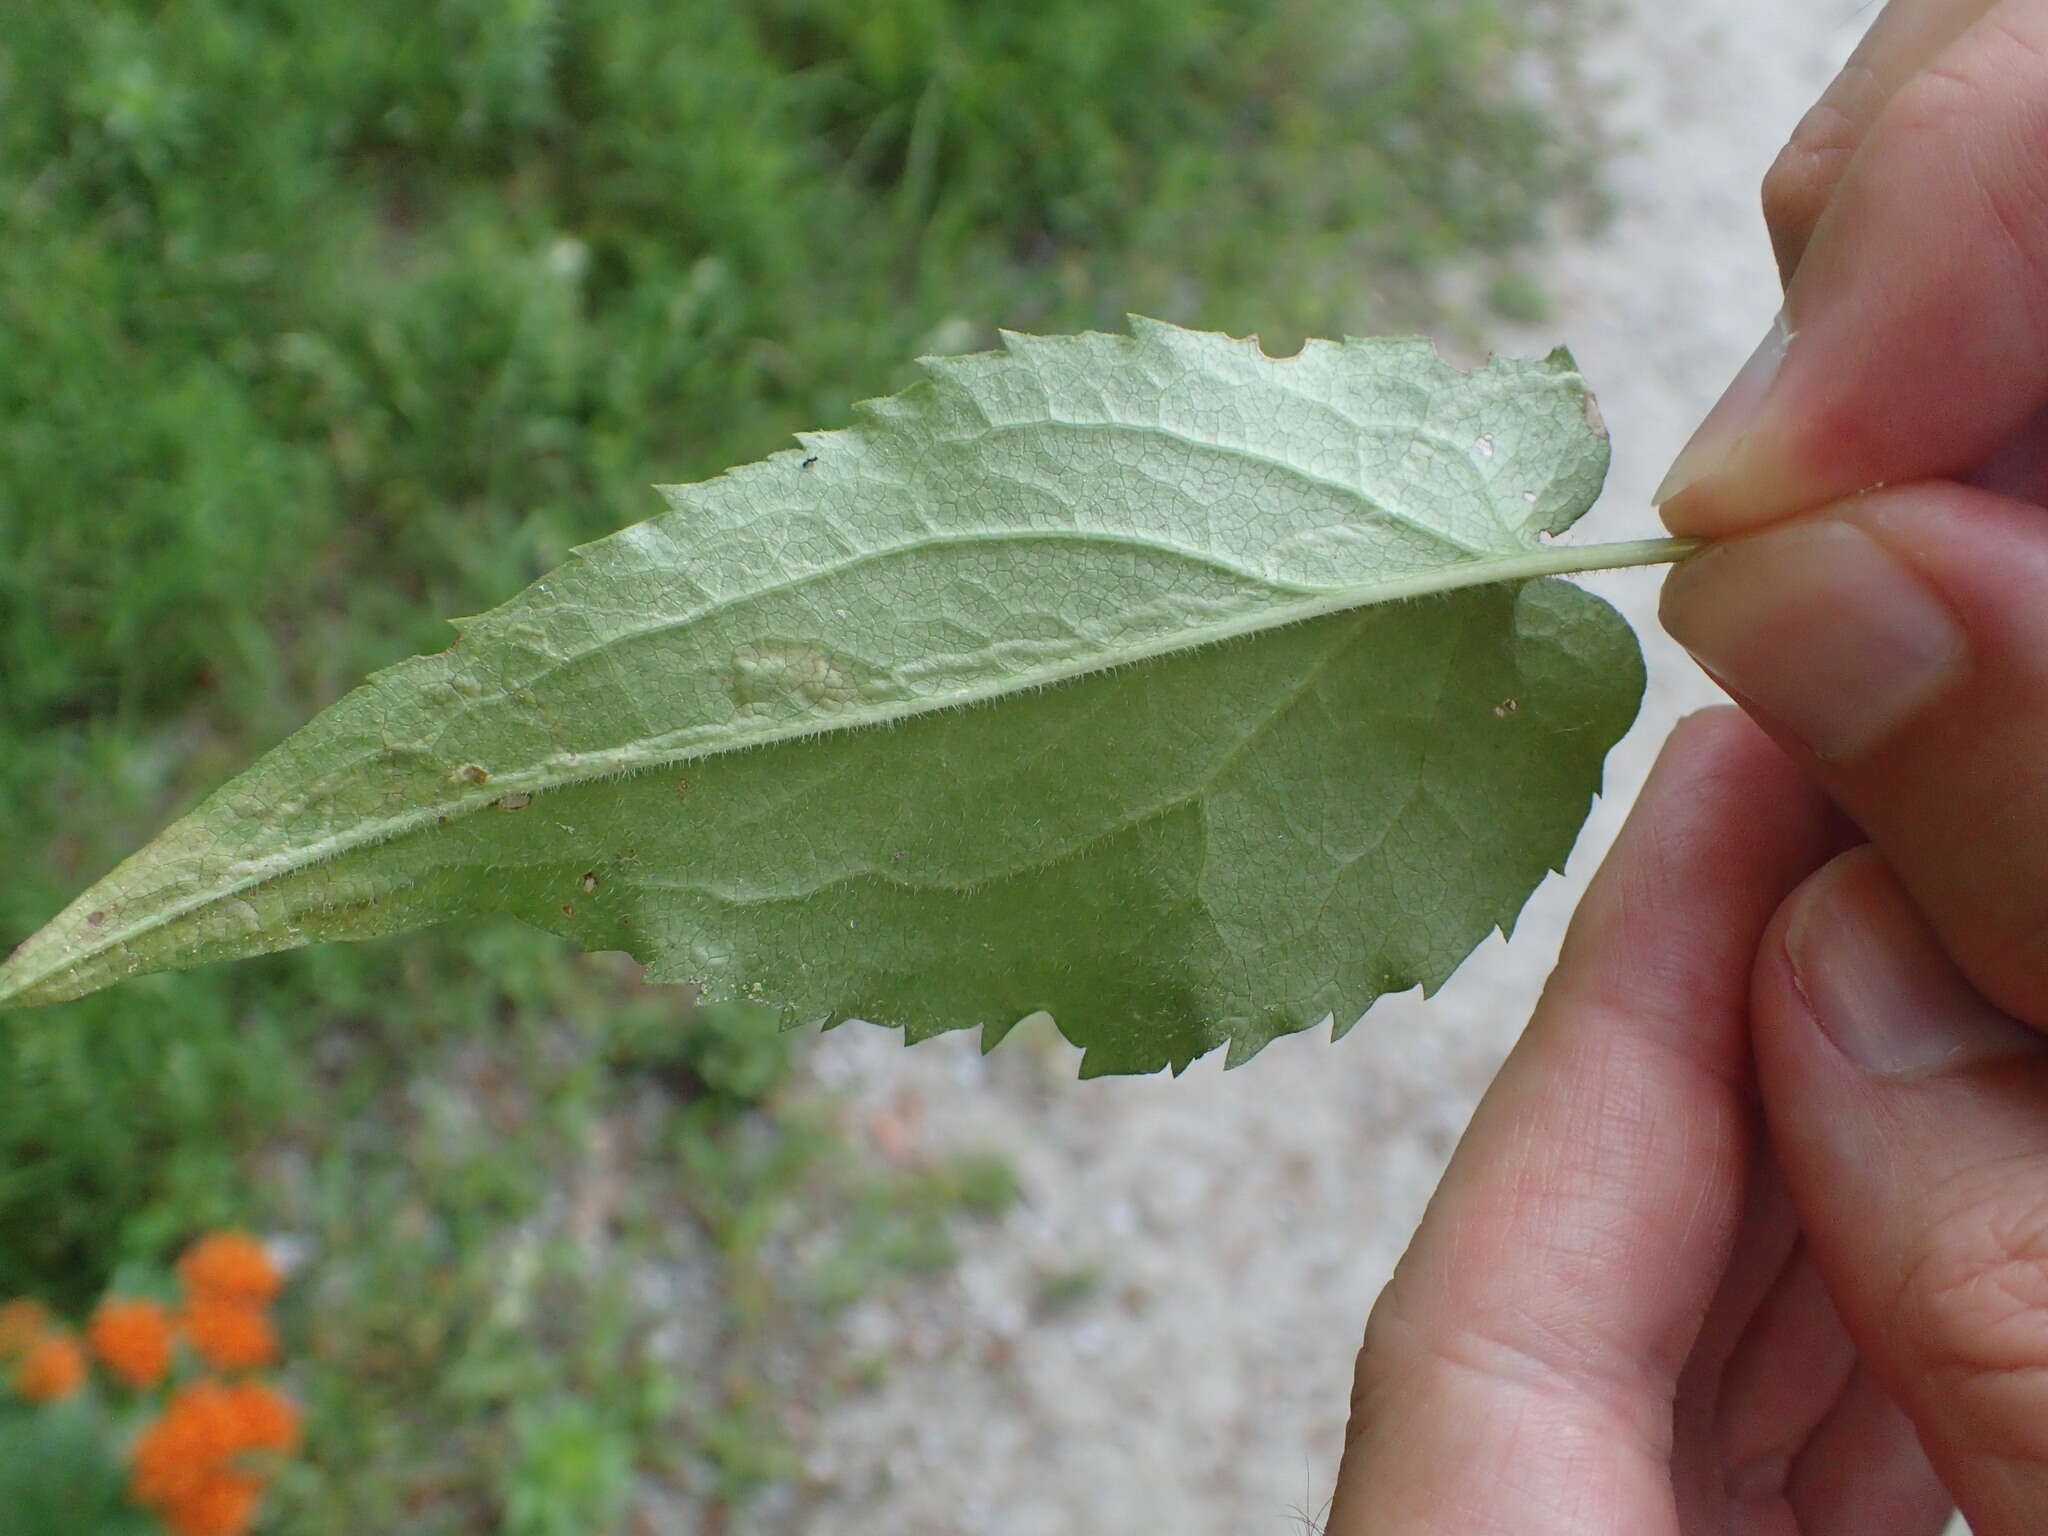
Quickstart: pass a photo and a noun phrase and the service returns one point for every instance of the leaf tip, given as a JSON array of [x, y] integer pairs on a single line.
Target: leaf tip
[[22, 988]]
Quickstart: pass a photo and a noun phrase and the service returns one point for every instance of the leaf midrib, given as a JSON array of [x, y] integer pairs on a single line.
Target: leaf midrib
[[620, 761]]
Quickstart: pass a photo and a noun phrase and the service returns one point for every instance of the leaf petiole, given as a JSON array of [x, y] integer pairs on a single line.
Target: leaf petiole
[[1570, 558]]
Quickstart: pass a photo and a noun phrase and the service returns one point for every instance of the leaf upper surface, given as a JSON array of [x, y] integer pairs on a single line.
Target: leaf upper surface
[[1188, 694]]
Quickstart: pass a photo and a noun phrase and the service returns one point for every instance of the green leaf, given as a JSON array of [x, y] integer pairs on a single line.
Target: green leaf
[[1190, 695]]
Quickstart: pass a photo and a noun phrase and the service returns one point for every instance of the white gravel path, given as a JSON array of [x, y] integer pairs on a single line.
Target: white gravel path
[[1238, 1226]]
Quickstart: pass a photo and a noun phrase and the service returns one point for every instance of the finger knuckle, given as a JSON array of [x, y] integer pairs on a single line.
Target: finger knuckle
[[1795, 190], [1797, 186], [1403, 1353], [1381, 1366], [1973, 1314]]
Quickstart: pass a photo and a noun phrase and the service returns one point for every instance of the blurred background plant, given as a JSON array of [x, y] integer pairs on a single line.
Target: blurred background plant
[[320, 324], [174, 1432]]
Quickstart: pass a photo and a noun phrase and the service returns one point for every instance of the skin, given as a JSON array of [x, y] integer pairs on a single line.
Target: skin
[[1750, 1235]]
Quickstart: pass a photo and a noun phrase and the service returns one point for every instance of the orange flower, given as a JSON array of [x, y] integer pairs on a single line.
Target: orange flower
[[184, 1461], [132, 1339], [223, 1506], [230, 1335], [264, 1418], [50, 1368], [22, 1322], [184, 1446], [229, 1266]]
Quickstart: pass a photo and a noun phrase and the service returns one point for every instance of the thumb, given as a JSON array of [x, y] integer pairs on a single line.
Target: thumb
[[1910, 1119], [1897, 646]]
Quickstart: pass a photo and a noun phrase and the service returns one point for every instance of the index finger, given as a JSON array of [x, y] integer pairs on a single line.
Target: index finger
[[1915, 325]]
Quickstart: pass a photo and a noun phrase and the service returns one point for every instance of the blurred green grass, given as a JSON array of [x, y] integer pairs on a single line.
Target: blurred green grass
[[320, 324]]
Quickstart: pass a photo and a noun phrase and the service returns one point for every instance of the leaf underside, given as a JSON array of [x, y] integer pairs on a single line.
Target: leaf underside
[[1188, 695]]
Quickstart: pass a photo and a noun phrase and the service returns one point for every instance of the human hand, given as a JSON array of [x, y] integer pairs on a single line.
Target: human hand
[[1607, 1322], [1896, 644]]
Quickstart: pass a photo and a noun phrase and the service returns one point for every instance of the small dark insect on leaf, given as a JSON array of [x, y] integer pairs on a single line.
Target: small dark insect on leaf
[[810, 461]]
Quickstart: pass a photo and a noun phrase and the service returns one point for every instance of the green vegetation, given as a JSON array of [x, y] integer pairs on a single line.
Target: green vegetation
[[320, 322]]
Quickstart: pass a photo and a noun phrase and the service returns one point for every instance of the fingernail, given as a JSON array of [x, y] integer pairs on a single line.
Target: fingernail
[[1820, 627], [1880, 986], [1710, 446]]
